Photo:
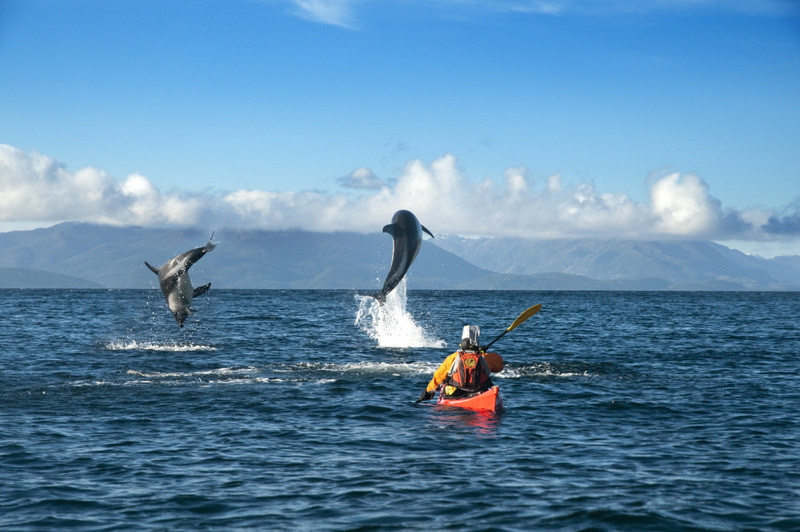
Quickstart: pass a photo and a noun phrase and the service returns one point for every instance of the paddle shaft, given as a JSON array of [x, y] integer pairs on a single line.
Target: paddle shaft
[[486, 347], [517, 322]]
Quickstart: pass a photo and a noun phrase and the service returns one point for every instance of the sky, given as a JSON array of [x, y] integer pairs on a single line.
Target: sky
[[528, 118]]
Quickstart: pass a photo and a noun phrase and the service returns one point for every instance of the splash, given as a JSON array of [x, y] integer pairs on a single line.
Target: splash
[[390, 324]]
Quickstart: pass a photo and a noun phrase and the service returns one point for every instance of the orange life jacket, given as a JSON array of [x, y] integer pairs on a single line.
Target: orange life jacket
[[469, 372]]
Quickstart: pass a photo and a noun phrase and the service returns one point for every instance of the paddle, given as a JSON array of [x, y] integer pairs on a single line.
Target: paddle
[[517, 322]]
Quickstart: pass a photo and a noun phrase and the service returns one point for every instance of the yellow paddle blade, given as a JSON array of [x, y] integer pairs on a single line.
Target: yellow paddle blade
[[524, 316]]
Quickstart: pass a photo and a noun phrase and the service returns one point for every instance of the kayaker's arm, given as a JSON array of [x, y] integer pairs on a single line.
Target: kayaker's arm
[[441, 373], [438, 377], [425, 396]]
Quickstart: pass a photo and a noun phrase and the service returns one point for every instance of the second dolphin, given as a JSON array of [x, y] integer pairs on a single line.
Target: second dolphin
[[173, 276]]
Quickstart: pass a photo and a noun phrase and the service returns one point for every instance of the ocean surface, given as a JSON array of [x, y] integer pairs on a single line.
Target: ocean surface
[[294, 410]]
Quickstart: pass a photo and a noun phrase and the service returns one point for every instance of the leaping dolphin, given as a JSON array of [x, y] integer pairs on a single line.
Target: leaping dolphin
[[406, 233], [173, 276]]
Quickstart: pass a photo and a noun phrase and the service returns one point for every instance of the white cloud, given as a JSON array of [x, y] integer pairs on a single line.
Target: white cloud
[[516, 180], [334, 12], [343, 12], [34, 187], [682, 205], [363, 179], [589, 7]]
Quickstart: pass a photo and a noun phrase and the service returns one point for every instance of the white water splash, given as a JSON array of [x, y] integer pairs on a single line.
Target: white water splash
[[193, 374], [396, 369], [390, 324], [118, 345], [201, 378]]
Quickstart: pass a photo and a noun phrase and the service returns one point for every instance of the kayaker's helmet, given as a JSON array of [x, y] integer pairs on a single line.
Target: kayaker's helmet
[[470, 337]]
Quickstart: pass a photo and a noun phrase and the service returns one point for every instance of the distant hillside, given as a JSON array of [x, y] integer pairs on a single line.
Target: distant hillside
[[22, 278], [690, 265], [113, 257]]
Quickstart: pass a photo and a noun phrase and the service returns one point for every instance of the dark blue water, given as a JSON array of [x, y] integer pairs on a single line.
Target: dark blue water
[[276, 410]]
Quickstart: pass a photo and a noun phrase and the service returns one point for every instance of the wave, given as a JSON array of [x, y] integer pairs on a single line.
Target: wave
[[546, 369], [129, 345], [227, 375], [177, 381], [199, 373], [306, 373], [379, 368]]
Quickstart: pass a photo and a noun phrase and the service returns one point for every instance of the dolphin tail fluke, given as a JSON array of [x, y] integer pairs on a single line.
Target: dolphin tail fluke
[[380, 296], [200, 290], [152, 269], [210, 245], [426, 230]]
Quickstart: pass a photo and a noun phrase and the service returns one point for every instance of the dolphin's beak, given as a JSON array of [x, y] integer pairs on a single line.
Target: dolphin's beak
[[180, 317]]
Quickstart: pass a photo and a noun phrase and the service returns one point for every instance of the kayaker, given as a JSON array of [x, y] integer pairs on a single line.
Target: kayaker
[[466, 371]]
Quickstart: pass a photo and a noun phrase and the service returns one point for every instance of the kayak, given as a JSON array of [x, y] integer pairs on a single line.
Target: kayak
[[488, 400]]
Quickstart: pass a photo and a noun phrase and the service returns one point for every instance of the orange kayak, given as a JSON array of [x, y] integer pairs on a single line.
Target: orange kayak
[[488, 400]]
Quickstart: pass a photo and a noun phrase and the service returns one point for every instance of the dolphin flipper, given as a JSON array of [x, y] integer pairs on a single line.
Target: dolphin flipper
[[392, 228], [152, 269], [200, 290]]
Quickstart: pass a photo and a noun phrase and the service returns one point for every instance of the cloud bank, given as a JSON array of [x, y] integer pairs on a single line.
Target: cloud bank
[[35, 187]]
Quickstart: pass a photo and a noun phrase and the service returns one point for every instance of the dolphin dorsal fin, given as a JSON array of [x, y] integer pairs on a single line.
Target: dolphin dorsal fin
[[152, 269], [426, 230]]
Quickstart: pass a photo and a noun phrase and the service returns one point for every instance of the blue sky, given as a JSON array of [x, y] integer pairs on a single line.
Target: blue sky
[[672, 118]]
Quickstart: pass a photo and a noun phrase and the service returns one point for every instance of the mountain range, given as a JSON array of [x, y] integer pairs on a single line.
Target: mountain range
[[688, 264], [79, 255]]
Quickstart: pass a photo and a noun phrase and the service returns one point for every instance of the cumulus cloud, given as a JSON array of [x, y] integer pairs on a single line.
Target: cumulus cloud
[[35, 187], [682, 205], [784, 224], [363, 179]]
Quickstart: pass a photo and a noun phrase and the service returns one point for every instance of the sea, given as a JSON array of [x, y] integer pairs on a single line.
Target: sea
[[295, 410]]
